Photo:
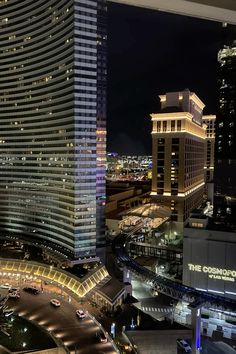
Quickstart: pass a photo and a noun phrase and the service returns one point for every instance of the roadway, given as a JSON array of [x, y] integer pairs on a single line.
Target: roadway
[[77, 335]]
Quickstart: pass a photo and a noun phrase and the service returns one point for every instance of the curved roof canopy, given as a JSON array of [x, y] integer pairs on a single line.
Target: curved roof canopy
[[151, 211]]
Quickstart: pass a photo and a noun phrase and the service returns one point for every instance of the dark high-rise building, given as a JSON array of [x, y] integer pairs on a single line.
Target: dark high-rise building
[[52, 122], [225, 144], [209, 121]]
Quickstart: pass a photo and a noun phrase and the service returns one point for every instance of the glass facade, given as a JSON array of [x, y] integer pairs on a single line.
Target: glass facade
[[48, 122], [101, 122], [225, 145]]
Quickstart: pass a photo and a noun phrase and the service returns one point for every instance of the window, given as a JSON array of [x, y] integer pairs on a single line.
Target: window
[[178, 125], [175, 141], [198, 225], [164, 126], [173, 125]]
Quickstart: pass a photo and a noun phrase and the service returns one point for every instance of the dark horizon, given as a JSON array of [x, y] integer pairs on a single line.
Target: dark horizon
[[151, 53]]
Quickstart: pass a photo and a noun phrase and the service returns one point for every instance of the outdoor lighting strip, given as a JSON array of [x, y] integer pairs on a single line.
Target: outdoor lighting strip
[[49, 273]]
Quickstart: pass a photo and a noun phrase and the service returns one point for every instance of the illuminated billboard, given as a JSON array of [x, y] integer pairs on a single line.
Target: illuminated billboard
[[209, 262]]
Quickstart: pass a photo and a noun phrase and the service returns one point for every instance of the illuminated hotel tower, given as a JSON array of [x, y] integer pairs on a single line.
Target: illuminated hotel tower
[[178, 152], [52, 122]]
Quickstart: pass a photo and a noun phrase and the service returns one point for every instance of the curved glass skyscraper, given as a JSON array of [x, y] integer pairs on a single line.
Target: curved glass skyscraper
[[49, 131]]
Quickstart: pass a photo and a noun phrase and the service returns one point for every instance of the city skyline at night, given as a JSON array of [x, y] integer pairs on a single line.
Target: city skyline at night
[[109, 236], [151, 52]]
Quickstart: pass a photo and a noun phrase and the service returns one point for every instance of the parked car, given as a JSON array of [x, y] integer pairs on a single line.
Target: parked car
[[80, 314], [55, 302], [31, 290], [5, 286], [101, 337], [14, 295], [14, 290], [184, 345]]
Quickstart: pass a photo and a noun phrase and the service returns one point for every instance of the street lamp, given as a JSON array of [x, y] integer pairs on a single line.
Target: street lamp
[[132, 323], [113, 330]]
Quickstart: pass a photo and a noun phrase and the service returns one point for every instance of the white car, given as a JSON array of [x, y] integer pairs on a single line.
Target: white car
[[55, 302], [184, 345], [5, 286], [80, 313]]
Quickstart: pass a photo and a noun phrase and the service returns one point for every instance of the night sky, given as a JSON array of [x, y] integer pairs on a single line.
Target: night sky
[[150, 53]]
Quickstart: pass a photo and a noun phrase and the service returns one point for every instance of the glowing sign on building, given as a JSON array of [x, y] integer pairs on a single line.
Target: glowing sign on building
[[214, 272]]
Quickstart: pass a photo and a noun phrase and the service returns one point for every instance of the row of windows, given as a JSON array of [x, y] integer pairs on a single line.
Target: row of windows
[[53, 90], [162, 126]]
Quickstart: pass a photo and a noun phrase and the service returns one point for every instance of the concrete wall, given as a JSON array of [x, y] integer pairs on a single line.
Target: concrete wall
[[111, 206], [122, 195], [210, 191]]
